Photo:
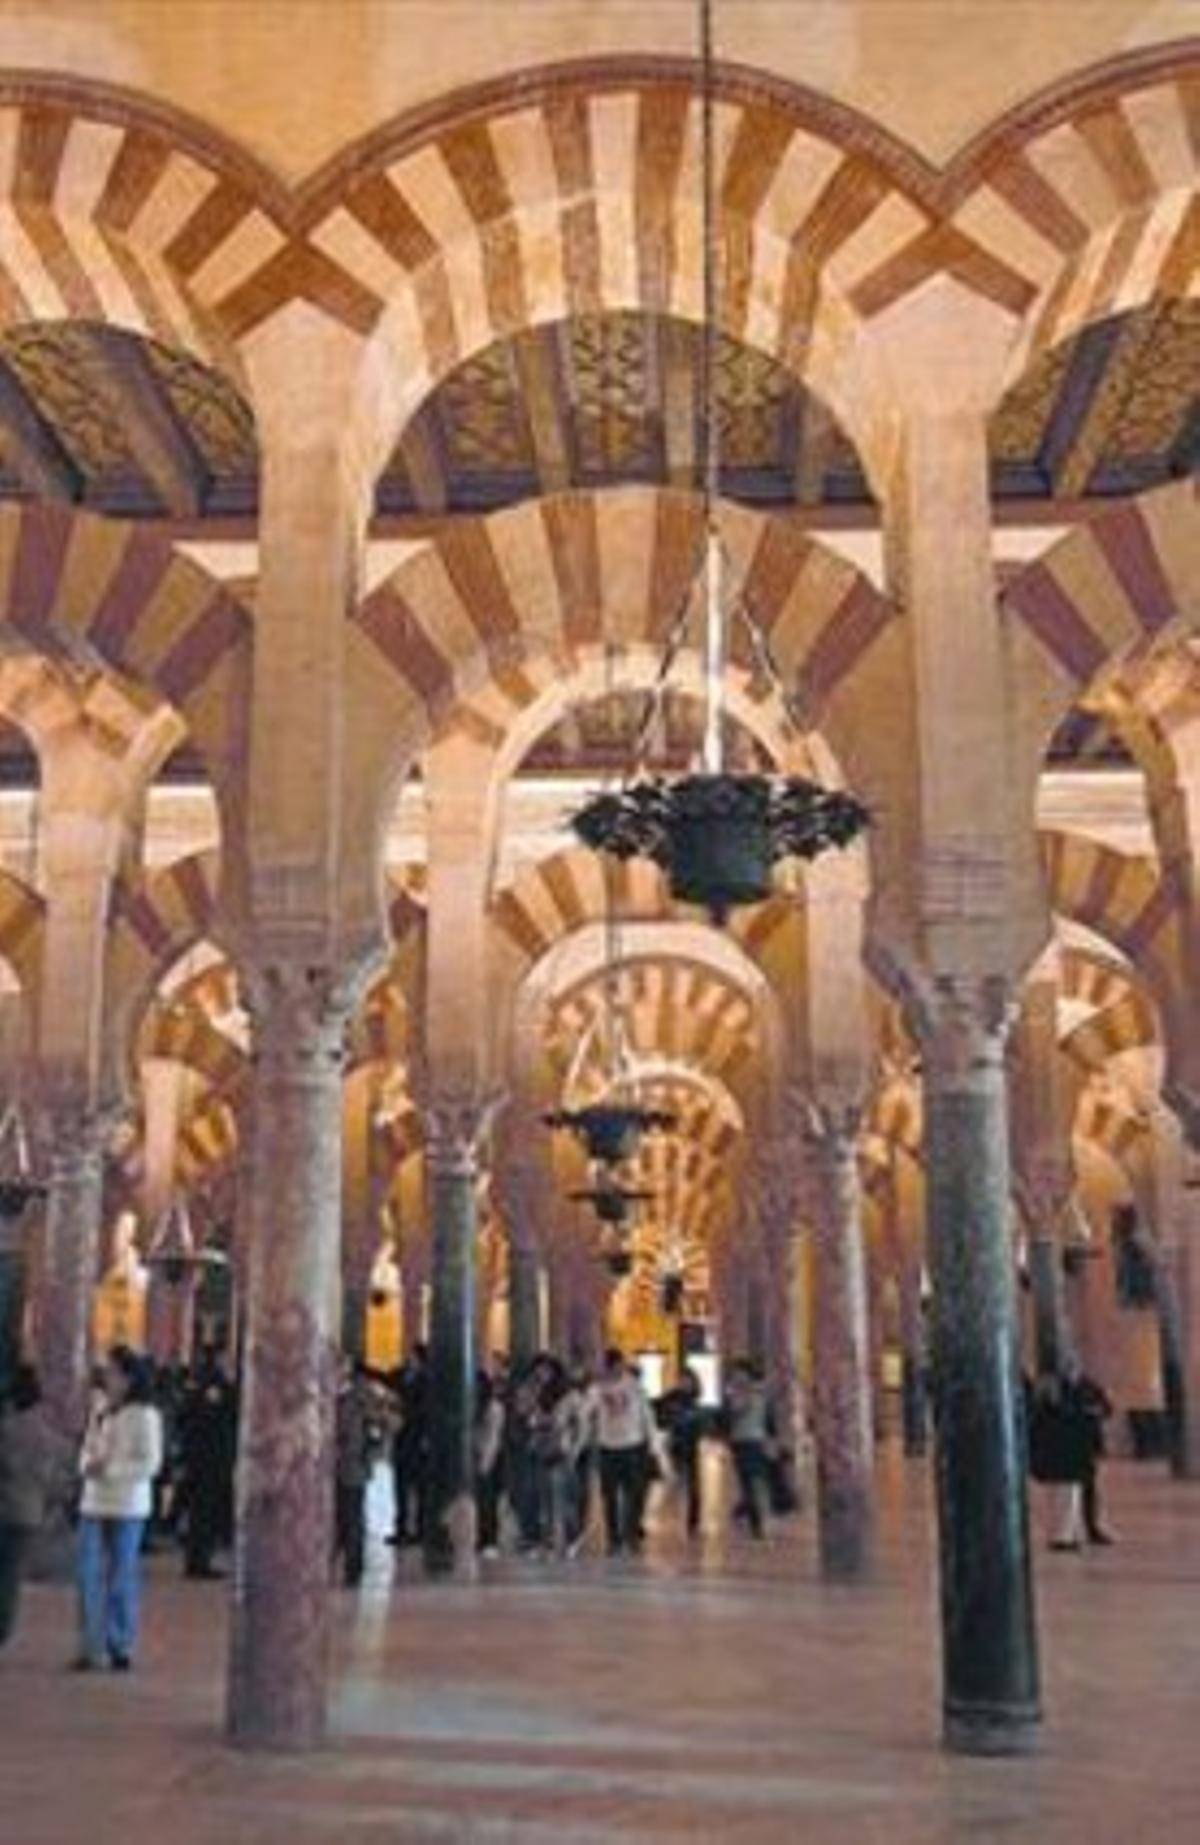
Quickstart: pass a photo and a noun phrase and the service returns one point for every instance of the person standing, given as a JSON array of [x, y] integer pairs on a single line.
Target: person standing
[[122, 1453], [746, 1412], [622, 1423], [207, 1425], [27, 1466], [354, 1453], [683, 1415], [1089, 1407], [489, 1463], [410, 1447]]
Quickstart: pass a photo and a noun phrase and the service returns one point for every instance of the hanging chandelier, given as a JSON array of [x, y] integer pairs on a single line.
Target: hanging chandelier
[[610, 1132], [717, 834], [613, 1203]]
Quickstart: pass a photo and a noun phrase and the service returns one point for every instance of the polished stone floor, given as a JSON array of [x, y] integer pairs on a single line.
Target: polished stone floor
[[721, 1694]]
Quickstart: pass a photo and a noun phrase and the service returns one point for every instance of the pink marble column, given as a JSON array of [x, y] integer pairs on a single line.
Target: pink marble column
[[69, 1261], [279, 1650], [841, 1383]]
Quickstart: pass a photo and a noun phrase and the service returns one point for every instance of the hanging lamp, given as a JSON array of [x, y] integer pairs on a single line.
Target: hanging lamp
[[717, 834]]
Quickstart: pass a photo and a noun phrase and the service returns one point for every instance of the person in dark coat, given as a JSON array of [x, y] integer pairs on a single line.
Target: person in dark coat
[[208, 1446], [1089, 1405], [410, 1394], [683, 1420], [354, 1457]]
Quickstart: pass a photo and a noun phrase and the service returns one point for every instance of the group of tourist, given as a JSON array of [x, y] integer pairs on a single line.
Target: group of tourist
[[547, 1436], [158, 1455]]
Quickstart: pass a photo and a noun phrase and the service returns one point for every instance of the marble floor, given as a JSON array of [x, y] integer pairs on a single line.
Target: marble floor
[[719, 1694]]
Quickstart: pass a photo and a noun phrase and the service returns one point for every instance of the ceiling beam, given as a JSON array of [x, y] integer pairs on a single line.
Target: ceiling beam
[[158, 439], [33, 451]]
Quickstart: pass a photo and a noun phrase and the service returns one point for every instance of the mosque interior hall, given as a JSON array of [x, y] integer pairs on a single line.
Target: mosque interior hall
[[600, 826]]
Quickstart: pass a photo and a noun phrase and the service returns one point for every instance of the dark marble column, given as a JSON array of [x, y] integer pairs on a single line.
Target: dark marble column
[[841, 1380], [292, 1175], [989, 1642], [454, 1129], [70, 1261], [1050, 1339]]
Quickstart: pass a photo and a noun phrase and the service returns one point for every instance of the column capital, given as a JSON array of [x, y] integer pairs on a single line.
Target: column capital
[[961, 1022], [456, 1126], [299, 1011]]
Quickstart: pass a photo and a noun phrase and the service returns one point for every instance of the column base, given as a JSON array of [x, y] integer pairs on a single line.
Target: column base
[[989, 1729]]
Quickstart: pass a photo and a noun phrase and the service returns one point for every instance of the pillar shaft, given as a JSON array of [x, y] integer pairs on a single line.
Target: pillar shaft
[[841, 1382], [70, 1258], [989, 1644], [453, 1130], [278, 1667]]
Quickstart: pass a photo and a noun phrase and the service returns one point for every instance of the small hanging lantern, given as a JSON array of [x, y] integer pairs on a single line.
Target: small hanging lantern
[[610, 1132], [613, 1204]]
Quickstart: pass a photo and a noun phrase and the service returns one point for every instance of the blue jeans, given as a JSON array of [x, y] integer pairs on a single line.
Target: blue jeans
[[110, 1580]]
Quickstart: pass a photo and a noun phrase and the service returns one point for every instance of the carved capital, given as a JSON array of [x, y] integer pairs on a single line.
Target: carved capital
[[962, 1024], [299, 1012], [456, 1127]]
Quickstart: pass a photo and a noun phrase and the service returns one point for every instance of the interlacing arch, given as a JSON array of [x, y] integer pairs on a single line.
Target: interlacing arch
[[119, 596], [1117, 586], [576, 192]]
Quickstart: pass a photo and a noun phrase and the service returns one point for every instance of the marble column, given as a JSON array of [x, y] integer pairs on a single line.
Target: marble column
[[454, 1129], [279, 1651], [1177, 1278], [70, 1262], [779, 1185], [841, 1377], [991, 1699], [520, 1189]]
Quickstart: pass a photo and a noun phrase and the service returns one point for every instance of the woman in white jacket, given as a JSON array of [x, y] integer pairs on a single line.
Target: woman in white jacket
[[122, 1453]]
